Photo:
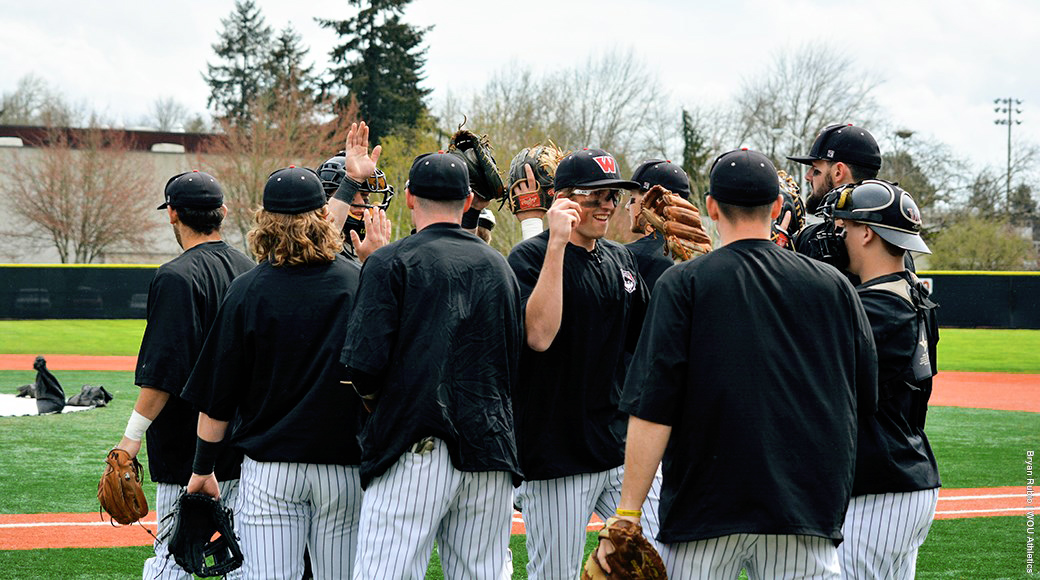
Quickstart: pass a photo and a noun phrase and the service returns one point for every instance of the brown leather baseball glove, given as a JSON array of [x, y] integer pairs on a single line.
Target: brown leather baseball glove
[[784, 236], [633, 556], [119, 490], [543, 160], [678, 220]]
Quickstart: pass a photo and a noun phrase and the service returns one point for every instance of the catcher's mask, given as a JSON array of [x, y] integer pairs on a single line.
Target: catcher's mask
[[828, 241], [884, 207], [376, 183]]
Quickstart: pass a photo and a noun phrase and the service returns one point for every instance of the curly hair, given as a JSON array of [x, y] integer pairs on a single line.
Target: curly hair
[[294, 240]]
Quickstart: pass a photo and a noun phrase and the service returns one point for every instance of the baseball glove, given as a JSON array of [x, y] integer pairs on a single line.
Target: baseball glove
[[792, 206], [119, 490], [633, 556], [543, 160], [678, 220], [197, 517], [475, 152]]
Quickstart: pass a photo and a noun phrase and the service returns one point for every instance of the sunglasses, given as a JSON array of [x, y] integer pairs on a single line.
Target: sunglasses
[[600, 195]]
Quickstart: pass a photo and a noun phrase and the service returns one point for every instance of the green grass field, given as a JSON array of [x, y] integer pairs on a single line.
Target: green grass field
[[960, 349], [51, 464]]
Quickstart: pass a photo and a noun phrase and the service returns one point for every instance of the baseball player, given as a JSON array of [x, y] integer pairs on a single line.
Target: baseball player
[[897, 480], [649, 250], [840, 155], [432, 349], [349, 179], [271, 359], [182, 302], [583, 306], [758, 441]]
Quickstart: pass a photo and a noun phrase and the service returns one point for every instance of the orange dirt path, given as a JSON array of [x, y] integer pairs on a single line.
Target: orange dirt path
[[38, 531], [1000, 391], [69, 362]]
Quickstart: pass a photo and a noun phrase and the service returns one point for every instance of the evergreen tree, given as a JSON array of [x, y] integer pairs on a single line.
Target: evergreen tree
[[243, 49], [695, 156], [380, 65], [285, 69]]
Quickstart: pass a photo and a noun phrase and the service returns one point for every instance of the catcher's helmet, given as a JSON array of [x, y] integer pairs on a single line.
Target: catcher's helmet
[[886, 209], [331, 173]]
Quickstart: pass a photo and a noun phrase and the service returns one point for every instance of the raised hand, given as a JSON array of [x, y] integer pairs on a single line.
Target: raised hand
[[358, 163]]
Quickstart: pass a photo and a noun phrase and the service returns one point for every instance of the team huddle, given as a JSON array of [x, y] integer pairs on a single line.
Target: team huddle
[[754, 401]]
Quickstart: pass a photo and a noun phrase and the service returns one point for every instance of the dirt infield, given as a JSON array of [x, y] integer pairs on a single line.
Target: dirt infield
[[999, 391], [69, 362], [37, 531]]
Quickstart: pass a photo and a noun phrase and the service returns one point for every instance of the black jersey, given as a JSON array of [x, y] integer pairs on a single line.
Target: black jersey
[[894, 454], [566, 404], [272, 357], [763, 434], [651, 257], [437, 327], [182, 301]]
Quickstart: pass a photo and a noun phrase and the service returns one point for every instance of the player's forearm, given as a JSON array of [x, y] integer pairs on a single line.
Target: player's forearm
[[643, 452], [338, 211], [150, 401], [545, 306], [208, 445], [211, 429]]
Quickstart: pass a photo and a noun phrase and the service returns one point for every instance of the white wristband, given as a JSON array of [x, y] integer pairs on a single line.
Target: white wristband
[[530, 227], [136, 426]]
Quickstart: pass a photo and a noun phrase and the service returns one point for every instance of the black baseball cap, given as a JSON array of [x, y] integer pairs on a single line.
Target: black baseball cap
[[193, 189], [664, 173], [441, 176], [590, 169], [293, 190], [844, 143], [743, 177]]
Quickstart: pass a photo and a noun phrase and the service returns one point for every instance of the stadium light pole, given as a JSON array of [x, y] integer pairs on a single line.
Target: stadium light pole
[[1009, 106]]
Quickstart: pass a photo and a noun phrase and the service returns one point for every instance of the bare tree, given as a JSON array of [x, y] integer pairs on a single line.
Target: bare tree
[[286, 129], [168, 114], [77, 191], [34, 102], [783, 108], [610, 102]]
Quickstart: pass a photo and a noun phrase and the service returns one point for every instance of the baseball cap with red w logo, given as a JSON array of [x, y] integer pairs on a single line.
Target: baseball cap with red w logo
[[590, 169]]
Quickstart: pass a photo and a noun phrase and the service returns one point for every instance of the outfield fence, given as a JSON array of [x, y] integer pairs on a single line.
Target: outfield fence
[[966, 299]]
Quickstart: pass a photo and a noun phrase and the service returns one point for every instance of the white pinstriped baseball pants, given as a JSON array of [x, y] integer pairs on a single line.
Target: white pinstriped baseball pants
[[883, 533], [423, 497], [556, 514], [764, 556], [285, 507], [162, 566]]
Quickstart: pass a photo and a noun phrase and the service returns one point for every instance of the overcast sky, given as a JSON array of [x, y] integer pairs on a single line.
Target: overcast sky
[[941, 63]]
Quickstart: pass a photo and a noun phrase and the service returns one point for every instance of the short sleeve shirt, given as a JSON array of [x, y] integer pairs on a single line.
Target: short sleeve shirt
[[763, 434], [438, 327], [566, 404], [182, 302], [271, 362], [651, 257], [893, 453]]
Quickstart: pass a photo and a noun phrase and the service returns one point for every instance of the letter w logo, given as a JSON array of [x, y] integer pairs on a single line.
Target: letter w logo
[[606, 163]]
